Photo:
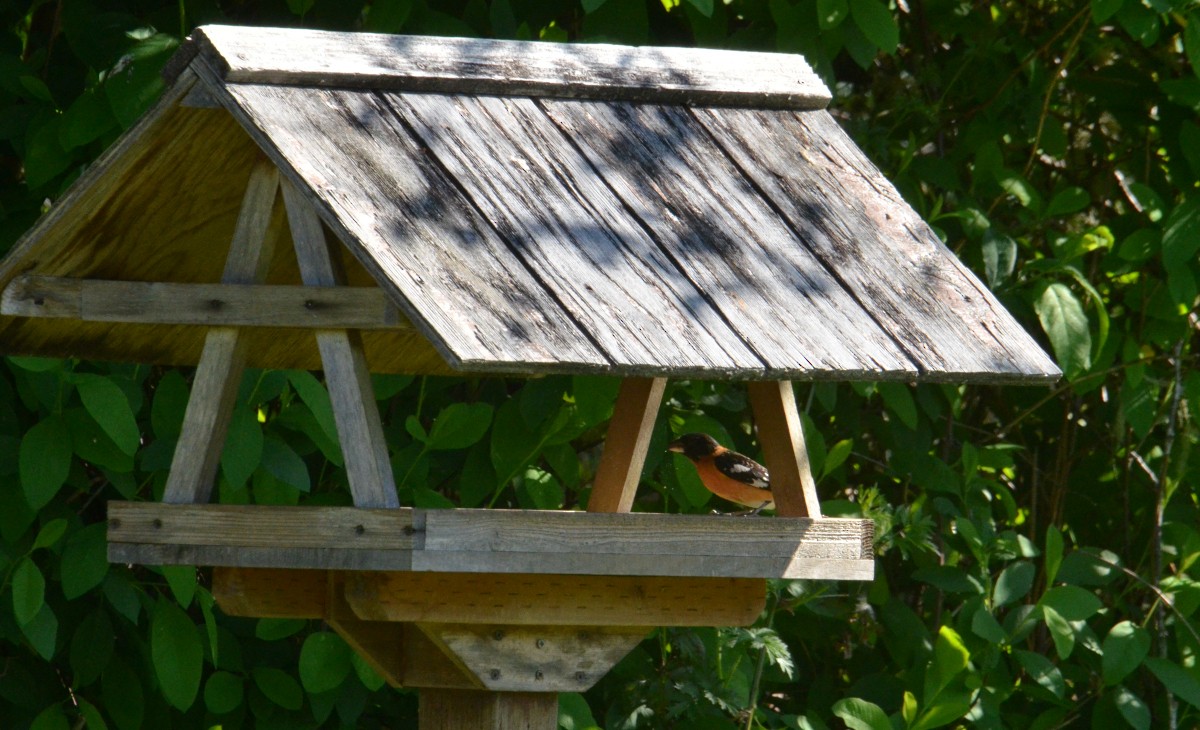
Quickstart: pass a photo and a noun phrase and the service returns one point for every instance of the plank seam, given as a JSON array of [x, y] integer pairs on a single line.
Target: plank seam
[[657, 241], [921, 370], [483, 217]]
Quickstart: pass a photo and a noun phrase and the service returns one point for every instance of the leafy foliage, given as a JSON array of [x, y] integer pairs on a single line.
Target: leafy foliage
[[1037, 550]]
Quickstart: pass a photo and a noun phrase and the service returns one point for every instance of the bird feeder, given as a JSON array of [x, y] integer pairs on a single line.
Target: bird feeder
[[356, 203]]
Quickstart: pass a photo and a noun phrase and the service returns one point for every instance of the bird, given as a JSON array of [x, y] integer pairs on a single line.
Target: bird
[[727, 474]]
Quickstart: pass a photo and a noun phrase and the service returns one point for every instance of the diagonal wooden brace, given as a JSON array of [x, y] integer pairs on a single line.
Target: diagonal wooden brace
[[219, 373], [360, 432], [782, 440], [625, 447]]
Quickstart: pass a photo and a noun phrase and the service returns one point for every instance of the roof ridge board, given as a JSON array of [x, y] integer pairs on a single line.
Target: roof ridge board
[[662, 74]]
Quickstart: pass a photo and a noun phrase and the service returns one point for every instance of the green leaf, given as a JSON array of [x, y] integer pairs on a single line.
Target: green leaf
[[91, 647], [1065, 202], [899, 400], [1191, 40], [370, 678], [42, 632], [84, 560], [274, 629], [106, 403], [285, 464], [831, 13], [91, 716], [876, 23], [243, 447], [541, 489], [1124, 649], [123, 597], [460, 425], [1071, 602], [50, 533], [1054, 553], [324, 662], [182, 581], [704, 7], [316, 397], [985, 626], [279, 687], [1181, 233], [1176, 679], [1014, 582], [1060, 631], [837, 456], [595, 396], [1019, 188], [591, 6], [1042, 671], [861, 715], [177, 654], [950, 657], [223, 693], [169, 405], [51, 718], [1132, 708], [999, 257], [28, 591], [123, 696], [44, 460], [1102, 10], [1064, 321]]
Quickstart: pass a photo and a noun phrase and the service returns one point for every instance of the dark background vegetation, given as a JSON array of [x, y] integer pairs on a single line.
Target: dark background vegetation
[[1037, 546]]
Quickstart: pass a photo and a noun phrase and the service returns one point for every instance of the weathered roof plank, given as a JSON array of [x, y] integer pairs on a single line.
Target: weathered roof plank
[[844, 210], [711, 221], [521, 68], [571, 230]]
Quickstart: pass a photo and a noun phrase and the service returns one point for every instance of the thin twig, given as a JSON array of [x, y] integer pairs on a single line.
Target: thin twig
[[1160, 497]]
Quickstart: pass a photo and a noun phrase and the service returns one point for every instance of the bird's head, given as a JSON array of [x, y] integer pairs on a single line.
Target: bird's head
[[695, 445]]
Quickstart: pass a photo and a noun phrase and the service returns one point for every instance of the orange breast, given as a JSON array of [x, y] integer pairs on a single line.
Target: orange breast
[[732, 489]]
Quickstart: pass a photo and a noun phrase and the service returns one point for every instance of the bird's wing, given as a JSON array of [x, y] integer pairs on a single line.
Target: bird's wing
[[743, 469]]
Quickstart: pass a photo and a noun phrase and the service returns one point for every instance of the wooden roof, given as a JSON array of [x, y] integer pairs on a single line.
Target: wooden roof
[[527, 208]]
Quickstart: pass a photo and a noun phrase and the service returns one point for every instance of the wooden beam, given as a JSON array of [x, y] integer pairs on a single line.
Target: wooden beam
[[625, 447], [491, 541], [214, 389], [360, 432], [271, 592], [447, 709], [500, 67], [570, 600], [782, 440], [210, 305], [506, 658]]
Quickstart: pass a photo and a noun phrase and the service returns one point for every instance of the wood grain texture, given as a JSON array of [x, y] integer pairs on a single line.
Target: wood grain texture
[[506, 658], [783, 302], [219, 374], [854, 220], [555, 600], [271, 592], [502, 67], [626, 444], [360, 432], [450, 709], [492, 541], [568, 228], [211, 305], [781, 436], [446, 268]]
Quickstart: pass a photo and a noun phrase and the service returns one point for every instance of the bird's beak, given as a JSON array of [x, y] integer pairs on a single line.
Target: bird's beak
[[676, 446]]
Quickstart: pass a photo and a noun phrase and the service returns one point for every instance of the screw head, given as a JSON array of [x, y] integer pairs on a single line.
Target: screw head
[[494, 674], [359, 529], [541, 643], [580, 677], [538, 675], [497, 634]]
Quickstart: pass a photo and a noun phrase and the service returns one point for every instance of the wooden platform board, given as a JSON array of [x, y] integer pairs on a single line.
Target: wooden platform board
[[490, 541]]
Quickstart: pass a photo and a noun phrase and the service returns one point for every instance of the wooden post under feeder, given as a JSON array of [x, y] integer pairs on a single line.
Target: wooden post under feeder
[[495, 207]]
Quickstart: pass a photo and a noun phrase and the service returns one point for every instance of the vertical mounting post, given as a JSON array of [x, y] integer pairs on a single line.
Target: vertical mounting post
[[626, 445], [360, 431], [219, 373], [784, 450], [453, 709]]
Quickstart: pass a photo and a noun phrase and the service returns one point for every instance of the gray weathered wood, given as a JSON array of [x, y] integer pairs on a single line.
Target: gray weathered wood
[[889, 260], [214, 388], [446, 268], [520, 68], [360, 433], [626, 444], [498, 541], [575, 235], [782, 438], [213, 305], [784, 303]]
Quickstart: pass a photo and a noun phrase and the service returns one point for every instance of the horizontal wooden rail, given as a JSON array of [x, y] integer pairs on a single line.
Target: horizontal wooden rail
[[491, 541], [212, 305]]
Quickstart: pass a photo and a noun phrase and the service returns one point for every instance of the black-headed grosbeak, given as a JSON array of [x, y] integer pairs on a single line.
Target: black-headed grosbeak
[[725, 473]]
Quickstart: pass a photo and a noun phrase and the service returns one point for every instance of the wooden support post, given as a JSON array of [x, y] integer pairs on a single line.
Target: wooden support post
[[453, 709], [219, 373], [782, 439], [626, 444], [360, 432]]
